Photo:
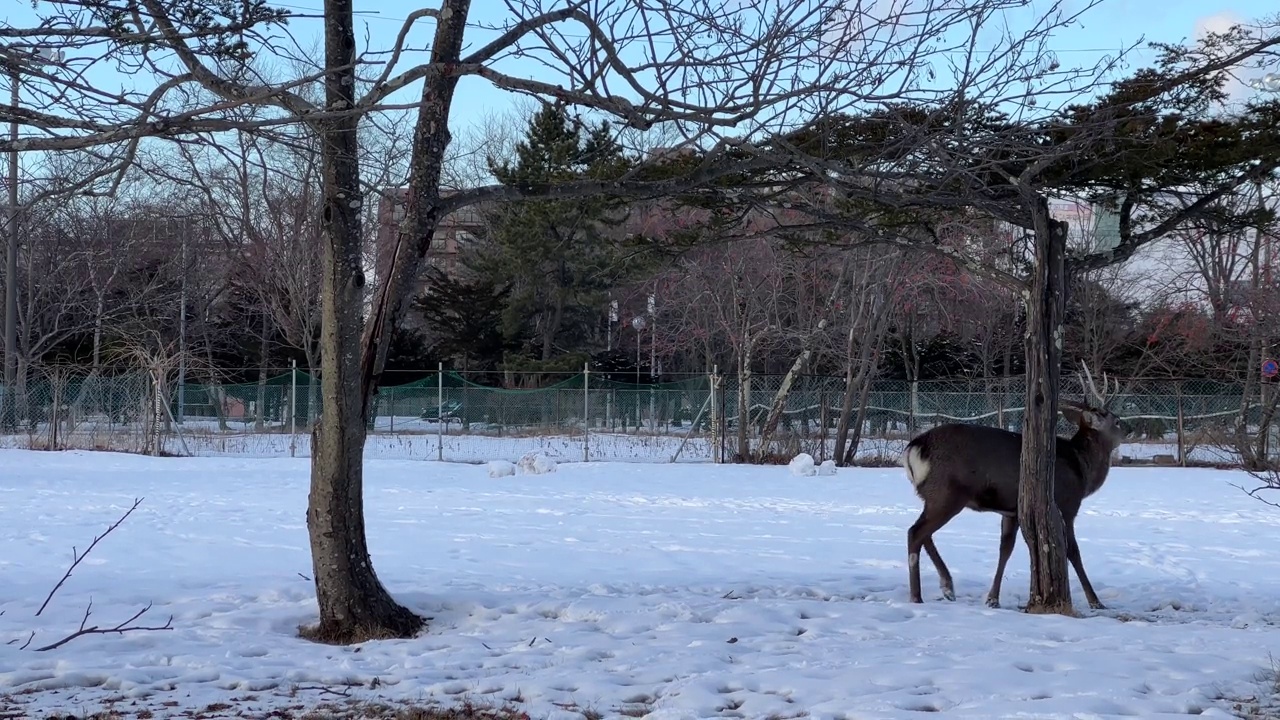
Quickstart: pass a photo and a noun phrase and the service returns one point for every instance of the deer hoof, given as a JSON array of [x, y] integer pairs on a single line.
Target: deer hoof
[[993, 602], [1097, 605], [948, 594], [917, 599]]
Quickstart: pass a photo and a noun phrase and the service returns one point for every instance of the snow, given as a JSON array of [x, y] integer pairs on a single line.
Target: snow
[[501, 468], [802, 465], [827, 468], [536, 463], [683, 591]]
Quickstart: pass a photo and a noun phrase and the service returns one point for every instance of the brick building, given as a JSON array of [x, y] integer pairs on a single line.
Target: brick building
[[454, 232]]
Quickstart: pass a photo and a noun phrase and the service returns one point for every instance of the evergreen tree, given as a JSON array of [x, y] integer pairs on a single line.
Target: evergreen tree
[[555, 259]]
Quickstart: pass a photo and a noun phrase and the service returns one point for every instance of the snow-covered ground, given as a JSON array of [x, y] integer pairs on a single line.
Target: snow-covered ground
[[204, 439], [676, 591]]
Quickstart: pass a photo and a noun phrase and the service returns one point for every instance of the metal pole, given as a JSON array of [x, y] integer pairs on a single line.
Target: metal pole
[[293, 408], [10, 400], [440, 412], [586, 412], [182, 337]]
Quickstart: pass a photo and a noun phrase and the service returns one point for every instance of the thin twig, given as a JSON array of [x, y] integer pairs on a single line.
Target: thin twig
[[1256, 493], [76, 558], [344, 692], [120, 629], [24, 645]]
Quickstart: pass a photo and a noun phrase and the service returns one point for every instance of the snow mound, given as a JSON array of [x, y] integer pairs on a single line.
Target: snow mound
[[802, 465], [827, 468], [501, 468], [536, 463]]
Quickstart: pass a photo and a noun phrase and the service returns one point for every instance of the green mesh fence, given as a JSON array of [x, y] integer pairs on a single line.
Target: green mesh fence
[[60, 408]]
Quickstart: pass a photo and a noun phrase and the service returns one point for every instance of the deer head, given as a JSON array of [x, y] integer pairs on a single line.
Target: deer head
[[1097, 415]]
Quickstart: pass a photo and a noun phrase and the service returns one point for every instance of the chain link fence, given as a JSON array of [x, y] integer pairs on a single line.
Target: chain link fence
[[446, 416]]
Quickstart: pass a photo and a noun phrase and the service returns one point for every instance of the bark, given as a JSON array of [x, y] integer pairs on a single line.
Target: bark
[[849, 429], [423, 208], [353, 603], [263, 355], [1038, 514], [553, 324], [216, 394], [99, 309], [744, 402]]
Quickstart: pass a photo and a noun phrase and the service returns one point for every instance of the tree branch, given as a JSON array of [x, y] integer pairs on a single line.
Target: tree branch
[[77, 558], [119, 629]]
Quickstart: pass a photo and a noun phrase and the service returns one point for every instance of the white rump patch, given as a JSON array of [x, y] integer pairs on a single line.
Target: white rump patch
[[917, 467]]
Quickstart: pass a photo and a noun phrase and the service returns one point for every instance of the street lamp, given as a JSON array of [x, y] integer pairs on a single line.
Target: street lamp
[[14, 60]]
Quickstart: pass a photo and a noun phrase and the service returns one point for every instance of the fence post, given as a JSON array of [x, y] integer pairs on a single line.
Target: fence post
[[715, 417], [586, 412], [440, 411], [1182, 443], [293, 408]]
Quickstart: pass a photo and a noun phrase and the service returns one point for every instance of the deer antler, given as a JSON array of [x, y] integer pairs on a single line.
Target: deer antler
[[1101, 397]]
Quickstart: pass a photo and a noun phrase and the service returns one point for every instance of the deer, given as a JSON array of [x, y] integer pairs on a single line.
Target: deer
[[957, 466]]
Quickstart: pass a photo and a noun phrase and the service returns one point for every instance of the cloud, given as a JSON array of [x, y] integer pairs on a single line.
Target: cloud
[[1216, 23], [1237, 86]]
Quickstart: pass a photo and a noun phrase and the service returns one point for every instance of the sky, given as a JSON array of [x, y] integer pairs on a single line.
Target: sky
[[1107, 28], [1113, 25]]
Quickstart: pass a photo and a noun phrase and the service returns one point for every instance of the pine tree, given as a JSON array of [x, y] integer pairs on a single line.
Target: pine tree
[[559, 258]]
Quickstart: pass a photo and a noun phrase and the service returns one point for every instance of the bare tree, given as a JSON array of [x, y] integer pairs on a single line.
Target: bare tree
[[700, 67], [865, 325]]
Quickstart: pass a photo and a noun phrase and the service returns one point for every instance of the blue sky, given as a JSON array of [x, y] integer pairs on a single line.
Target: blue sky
[[1106, 29], [1113, 25]]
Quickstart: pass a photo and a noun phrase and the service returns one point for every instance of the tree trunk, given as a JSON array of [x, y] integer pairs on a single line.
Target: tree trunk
[[553, 325], [779, 404], [216, 394], [1038, 514], [99, 309], [353, 603], [422, 211], [849, 428], [744, 402], [259, 422]]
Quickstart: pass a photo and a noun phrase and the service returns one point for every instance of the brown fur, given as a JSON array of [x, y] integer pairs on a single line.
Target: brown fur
[[957, 466]]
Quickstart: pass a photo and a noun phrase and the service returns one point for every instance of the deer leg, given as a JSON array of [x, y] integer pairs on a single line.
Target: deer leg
[[931, 519], [1073, 554], [1008, 538], [944, 575]]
